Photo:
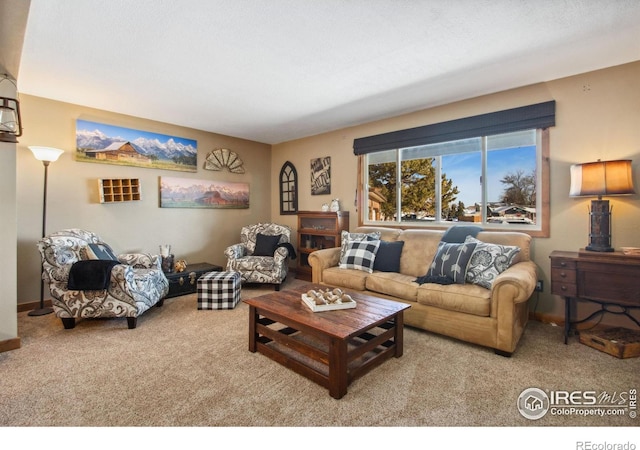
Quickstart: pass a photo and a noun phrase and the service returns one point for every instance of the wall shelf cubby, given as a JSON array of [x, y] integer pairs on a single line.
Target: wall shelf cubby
[[119, 189]]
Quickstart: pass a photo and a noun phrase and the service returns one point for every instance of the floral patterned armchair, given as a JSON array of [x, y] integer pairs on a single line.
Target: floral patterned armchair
[[135, 283], [262, 255]]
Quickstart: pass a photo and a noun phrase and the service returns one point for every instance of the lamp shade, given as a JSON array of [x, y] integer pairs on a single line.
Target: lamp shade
[[46, 153], [601, 178]]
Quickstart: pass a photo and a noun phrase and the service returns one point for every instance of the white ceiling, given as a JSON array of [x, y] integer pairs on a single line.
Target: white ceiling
[[277, 70]]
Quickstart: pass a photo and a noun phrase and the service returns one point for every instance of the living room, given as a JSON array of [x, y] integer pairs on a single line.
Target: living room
[[596, 118]]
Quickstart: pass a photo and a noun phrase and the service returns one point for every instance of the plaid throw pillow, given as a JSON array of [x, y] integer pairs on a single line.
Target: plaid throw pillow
[[347, 238], [360, 255]]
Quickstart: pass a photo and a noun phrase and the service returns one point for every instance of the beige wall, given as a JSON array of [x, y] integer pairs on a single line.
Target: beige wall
[[597, 117], [196, 235], [8, 231]]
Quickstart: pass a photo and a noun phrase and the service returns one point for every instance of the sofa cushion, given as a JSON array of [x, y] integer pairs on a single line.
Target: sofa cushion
[[466, 298], [420, 246], [449, 266], [488, 261], [360, 255], [346, 238], [393, 284], [388, 256], [345, 278]]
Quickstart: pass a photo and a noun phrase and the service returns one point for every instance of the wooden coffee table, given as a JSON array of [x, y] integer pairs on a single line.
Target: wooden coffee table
[[331, 348]]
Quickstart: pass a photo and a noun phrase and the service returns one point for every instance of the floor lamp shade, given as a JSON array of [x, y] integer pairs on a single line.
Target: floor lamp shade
[[596, 179], [46, 155]]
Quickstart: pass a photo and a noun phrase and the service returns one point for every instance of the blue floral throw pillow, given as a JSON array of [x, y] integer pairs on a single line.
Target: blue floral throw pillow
[[360, 255], [449, 266], [489, 261]]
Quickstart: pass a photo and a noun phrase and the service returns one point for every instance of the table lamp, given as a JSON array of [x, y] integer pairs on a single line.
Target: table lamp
[[597, 179]]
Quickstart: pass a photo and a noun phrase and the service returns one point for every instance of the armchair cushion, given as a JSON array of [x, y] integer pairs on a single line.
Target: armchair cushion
[[266, 245]]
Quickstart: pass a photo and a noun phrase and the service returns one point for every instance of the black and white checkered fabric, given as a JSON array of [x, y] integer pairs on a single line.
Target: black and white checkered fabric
[[219, 290], [360, 255]]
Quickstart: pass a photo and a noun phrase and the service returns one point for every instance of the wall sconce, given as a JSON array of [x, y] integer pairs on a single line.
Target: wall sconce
[[10, 121], [597, 179]]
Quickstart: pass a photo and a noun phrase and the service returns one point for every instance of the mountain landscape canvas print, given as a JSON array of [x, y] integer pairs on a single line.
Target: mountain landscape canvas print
[[108, 144], [190, 193]]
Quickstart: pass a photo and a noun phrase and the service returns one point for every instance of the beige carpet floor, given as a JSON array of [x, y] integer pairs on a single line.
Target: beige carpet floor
[[184, 367]]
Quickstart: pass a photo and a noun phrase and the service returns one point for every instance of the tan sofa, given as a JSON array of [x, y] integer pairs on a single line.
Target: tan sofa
[[493, 318]]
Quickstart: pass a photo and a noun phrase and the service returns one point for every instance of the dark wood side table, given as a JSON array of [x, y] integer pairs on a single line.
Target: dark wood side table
[[610, 279]]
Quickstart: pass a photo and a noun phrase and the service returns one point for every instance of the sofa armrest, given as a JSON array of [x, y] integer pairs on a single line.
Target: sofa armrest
[[519, 279], [509, 294], [323, 259]]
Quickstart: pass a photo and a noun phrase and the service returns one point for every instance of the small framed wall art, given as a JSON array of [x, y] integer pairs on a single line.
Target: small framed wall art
[[321, 176]]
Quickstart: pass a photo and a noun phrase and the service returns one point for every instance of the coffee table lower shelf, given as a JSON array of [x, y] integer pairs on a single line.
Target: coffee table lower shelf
[[329, 360]]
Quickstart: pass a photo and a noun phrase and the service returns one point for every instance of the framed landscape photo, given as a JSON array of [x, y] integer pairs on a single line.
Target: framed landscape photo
[[321, 176], [190, 193], [109, 144]]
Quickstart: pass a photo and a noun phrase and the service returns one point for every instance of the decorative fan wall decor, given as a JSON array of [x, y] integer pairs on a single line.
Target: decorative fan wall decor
[[223, 157]]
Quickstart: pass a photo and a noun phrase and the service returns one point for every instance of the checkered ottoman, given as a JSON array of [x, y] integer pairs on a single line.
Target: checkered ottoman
[[218, 290]]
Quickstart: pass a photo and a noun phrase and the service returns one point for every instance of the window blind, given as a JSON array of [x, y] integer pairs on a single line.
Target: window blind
[[540, 115]]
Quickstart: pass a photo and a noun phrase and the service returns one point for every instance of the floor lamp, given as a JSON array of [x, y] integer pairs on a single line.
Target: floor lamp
[[46, 155]]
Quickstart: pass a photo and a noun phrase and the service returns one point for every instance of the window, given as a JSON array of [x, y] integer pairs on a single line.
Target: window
[[494, 180], [288, 189]]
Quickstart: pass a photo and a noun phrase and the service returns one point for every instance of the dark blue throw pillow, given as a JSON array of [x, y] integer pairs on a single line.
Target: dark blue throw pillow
[[449, 266], [266, 244], [388, 256], [101, 251]]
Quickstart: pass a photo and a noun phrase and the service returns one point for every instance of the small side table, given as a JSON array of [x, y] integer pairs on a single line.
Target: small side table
[[609, 279], [183, 283]]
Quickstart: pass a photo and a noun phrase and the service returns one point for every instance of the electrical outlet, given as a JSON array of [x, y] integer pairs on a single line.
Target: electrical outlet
[[539, 285]]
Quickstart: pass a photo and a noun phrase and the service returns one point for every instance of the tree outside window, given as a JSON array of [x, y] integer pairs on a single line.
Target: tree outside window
[[490, 180]]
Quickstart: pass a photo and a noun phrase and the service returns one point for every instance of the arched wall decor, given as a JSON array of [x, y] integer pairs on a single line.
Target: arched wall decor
[[220, 158], [288, 189]]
